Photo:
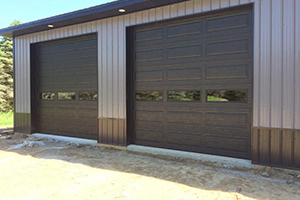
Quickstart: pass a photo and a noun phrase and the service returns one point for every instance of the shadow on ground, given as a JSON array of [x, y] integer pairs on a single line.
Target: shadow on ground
[[190, 173]]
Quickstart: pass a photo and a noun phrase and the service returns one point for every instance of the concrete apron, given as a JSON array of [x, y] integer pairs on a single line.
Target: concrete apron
[[67, 139], [215, 160]]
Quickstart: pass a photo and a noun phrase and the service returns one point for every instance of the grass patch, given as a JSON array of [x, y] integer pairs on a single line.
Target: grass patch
[[6, 119], [213, 98]]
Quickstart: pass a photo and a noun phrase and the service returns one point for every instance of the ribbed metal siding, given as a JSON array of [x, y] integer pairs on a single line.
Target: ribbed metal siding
[[276, 147], [276, 58]]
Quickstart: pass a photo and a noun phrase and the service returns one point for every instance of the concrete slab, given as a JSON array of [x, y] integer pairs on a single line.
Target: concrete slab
[[219, 160], [67, 139]]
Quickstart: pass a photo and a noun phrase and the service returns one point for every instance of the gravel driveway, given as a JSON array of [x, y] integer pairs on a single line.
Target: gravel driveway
[[48, 169]]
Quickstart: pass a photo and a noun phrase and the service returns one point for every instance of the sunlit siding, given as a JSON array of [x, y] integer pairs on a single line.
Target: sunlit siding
[[276, 57]]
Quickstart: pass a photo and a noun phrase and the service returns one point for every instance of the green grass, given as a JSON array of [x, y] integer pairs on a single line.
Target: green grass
[[6, 119], [212, 98]]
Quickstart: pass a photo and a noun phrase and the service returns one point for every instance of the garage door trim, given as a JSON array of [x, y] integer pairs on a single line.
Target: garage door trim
[[130, 91], [34, 81]]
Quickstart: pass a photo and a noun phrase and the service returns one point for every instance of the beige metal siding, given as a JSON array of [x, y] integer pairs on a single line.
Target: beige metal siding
[[276, 64], [276, 57], [288, 64], [297, 66]]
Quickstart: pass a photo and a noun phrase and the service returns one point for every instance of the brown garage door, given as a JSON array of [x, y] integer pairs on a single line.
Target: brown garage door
[[192, 83], [67, 87]]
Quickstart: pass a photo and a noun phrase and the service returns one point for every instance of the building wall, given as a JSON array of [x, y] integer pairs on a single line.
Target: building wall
[[276, 61]]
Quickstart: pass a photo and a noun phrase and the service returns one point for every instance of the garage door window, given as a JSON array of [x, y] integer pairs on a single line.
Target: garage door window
[[226, 95], [88, 96], [66, 95], [149, 95], [184, 95], [47, 95]]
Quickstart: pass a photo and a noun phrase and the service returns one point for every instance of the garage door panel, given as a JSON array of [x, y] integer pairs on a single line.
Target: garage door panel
[[202, 65], [185, 28], [87, 44], [228, 22], [86, 61], [150, 126], [184, 51], [62, 80], [151, 75], [87, 79], [88, 113], [80, 62], [47, 112], [147, 135], [191, 62], [75, 121], [88, 130], [184, 74], [69, 55], [151, 116], [149, 55], [185, 118], [87, 70], [149, 106], [232, 144], [68, 66], [227, 47], [87, 121], [64, 129], [227, 120], [227, 72], [184, 129], [149, 34], [184, 139], [49, 127], [88, 104]]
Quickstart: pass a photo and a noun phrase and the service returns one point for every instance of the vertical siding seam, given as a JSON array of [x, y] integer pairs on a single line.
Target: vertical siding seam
[[22, 74], [101, 69], [293, 145], [270, 73], [258, 145], [295, 62], [118, 79], [258, 62], [113, 74], [106, 79], [282, 64], [281, 145], [270, 146]]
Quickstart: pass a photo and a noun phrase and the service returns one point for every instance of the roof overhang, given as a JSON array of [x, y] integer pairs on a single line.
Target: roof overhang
[[85, 15]]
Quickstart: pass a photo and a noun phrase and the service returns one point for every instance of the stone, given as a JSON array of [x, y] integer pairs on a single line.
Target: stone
[[290, 181], [265, 174], [5, 137], [293, 174]]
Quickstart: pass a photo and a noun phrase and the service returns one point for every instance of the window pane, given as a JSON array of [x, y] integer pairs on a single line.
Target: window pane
[[149, 95], [88, 96], [47, 95], [184, 95], [66, 95], [226, 95]]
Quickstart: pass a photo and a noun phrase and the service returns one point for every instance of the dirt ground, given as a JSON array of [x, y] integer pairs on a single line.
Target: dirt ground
[[59, 170]]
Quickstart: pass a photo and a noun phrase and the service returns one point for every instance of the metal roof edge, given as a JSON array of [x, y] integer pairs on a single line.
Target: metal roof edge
[[106, 10]]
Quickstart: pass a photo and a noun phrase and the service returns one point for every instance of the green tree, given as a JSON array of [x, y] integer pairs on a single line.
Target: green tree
[[6, 73]]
